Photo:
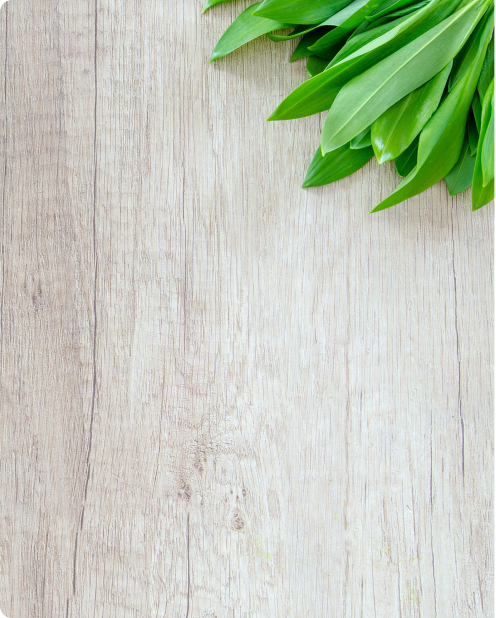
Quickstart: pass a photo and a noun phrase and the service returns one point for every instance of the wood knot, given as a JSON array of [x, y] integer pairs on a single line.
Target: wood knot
[[37, 299], [237, 521], [186, 492]]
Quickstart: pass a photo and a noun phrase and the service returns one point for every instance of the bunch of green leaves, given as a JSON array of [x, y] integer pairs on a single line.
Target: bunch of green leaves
[[404, 80]]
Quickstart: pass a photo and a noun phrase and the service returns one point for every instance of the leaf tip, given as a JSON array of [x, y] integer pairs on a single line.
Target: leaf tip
[[382, 158], [378, 208]]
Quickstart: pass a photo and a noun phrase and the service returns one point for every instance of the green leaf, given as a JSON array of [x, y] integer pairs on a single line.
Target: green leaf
[[460, 177], [210, 3], [442, 138], [362, 140], [487, 146], [298, 31], [398, 126], [462, 63], [244, 29], [482, 195], [473, 133], [336, 165], [487, 73], [316, 64], [409, 9], [358, 40], [367, 96], [407, 160], [338, 19], [388, 7], [317, 94], [346, 20], [298, 12], [302, 50], [477, 110]]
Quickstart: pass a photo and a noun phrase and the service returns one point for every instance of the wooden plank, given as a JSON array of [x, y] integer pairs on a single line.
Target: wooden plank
[[47, 297], [223, 395]]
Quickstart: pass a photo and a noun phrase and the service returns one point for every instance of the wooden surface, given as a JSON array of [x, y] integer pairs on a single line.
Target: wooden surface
[[221, 395]]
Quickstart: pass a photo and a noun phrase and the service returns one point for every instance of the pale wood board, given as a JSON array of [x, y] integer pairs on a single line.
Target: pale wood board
[[222, 395]]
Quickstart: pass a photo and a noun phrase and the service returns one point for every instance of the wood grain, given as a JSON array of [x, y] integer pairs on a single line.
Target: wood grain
[[221, 395]]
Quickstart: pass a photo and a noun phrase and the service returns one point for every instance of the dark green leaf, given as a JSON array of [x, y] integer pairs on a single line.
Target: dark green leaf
[[473, 134], [477, 110], [316, 64], [407, 160], [302, 50], [460, 177]]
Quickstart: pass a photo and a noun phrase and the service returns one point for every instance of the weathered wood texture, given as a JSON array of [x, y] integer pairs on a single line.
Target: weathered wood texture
[[221, 395]]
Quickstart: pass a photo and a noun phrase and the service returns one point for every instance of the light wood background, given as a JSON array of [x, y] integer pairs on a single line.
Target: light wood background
[[222, 395]]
